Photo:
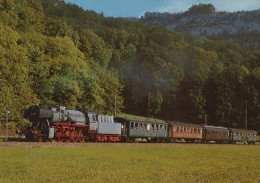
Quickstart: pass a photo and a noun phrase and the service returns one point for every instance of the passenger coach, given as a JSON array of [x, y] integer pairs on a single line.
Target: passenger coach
[[242, 135], [215, 133], [187, 131], [154, 131]]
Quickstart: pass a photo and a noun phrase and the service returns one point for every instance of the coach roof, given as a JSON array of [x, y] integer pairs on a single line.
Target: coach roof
[[207, 127], [172, 123], [120, 119]]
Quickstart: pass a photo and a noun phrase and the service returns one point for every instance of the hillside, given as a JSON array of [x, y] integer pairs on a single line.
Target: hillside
[[54, 53], [241, 27]]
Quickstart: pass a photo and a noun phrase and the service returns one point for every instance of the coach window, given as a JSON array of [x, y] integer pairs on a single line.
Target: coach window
[[191, 130], [165, 128], [136, 125], [140, 125], [152, 126], [181, 129], [132, 125], [195, 130], [177, 129], [156, 127], [198, 130], [188, 130], [145, 126], [184, 129]]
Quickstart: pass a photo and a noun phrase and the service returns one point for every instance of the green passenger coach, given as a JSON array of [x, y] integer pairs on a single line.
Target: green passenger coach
[[242, 135], [154, 131]]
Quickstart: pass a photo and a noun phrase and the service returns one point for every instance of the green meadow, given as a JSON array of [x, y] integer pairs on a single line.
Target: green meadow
[[131, 163]]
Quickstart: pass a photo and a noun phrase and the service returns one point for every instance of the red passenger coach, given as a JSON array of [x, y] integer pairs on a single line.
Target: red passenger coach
[[186, 131]]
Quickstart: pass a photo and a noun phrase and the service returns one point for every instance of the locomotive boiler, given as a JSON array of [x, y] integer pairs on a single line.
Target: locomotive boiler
[[61, 124]]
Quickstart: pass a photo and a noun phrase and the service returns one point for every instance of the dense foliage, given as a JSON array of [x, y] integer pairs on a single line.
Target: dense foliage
[[201, 9], [54, 53]]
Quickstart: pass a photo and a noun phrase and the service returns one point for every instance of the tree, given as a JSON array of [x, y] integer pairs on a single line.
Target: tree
[[201, 9]]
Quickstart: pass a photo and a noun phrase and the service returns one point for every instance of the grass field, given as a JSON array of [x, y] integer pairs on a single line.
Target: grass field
[[131, 163]]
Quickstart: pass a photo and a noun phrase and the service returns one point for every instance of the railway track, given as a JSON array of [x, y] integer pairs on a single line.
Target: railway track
[[22, 144]]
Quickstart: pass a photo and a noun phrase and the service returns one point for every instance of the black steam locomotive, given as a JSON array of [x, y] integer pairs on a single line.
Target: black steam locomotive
[[61, 124]]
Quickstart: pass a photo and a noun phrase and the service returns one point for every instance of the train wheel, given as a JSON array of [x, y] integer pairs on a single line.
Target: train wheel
[[68, 134], [67, 139], [39, 138], [130, 140], [80, 137], [59, 136], [74, 136]]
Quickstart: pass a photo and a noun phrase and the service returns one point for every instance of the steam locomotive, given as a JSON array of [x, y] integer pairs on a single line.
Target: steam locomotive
[[60, 124]]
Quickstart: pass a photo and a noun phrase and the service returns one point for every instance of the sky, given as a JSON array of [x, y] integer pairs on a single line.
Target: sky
[[137, 8]]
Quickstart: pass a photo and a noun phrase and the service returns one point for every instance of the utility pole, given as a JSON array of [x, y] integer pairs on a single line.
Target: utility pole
[[246, 118], [206, 119], [148, 105], [115, 107], [7, 113]]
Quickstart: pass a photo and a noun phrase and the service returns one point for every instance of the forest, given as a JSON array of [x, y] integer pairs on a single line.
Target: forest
[[53, 53]]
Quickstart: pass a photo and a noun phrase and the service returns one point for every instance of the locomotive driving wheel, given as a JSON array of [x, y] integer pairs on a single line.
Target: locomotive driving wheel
[[59, 136], [74, 136], [80, 137], [68, 135]]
